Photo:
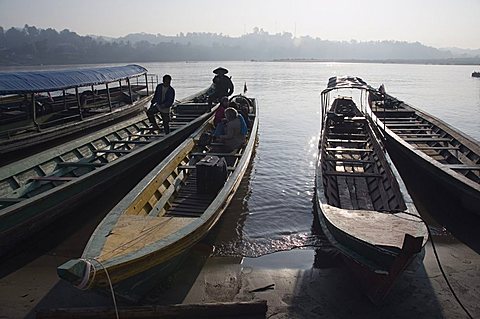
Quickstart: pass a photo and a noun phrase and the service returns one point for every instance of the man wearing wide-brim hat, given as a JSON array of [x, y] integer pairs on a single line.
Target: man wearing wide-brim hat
[[222, 85], [220, 70]]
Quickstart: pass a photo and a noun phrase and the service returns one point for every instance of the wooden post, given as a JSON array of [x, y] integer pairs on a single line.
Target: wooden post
[[78, 103], [108, 97], [34, 113], [130, 90], [146, 82], [64, 100]]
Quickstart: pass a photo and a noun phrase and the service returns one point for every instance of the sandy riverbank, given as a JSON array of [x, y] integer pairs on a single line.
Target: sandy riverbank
[[299, 291]]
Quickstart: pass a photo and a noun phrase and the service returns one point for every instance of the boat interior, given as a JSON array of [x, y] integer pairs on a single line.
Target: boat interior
[[355, 172], [53, 169], [170, 198], [57, 109], [177, 194], [425, 136]]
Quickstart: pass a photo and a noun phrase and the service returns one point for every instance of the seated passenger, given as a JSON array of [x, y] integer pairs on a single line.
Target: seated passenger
[[219, 119], [243, 119], [233, 137]]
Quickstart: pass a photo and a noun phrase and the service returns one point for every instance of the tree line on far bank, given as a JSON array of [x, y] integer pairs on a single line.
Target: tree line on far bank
[[32, 46]]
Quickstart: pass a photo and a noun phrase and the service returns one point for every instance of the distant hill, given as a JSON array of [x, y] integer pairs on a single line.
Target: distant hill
[[457, 52], [30, 45]]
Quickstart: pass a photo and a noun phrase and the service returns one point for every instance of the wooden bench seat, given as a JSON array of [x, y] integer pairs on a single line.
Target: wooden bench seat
[[80, 164], [342, 149], [52, 178]]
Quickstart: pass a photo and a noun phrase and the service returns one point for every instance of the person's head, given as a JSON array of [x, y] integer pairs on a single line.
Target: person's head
[[231, 114], [167, 79], [233, 105], [224, 101]]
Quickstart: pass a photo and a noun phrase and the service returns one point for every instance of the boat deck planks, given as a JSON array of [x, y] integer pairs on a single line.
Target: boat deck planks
[[377, 229], [132, 232]]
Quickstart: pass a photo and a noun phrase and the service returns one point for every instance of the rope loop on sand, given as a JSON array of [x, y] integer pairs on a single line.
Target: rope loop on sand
[[86, 283]]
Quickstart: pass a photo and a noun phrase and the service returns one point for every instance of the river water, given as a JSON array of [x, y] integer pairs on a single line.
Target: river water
[[273, 209]]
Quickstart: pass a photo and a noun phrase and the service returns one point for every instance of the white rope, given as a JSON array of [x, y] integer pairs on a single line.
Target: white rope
[[86, 277]]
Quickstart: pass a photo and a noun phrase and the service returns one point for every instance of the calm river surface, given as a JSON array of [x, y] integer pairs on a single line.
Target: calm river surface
[[273, 209]]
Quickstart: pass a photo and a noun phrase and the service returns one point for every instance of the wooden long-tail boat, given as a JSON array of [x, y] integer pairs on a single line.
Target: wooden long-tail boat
[[363, 206], [145, 236], [43, 106], [39, 189], [437, 152]]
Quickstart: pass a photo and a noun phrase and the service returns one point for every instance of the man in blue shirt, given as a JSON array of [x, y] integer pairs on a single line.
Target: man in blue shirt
[[161, 102]]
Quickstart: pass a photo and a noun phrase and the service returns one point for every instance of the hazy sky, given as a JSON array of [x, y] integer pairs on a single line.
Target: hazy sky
[[439, 23]]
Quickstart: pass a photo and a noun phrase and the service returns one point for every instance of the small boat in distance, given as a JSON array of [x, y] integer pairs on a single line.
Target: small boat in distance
[[147, 234], [362, 205], [39, 189], [43, 106], [434, 150]]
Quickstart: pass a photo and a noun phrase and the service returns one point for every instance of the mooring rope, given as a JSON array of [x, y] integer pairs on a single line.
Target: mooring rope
[[86, 279], [441, 268]]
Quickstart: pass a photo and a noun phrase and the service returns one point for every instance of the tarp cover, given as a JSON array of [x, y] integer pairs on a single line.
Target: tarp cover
[[347, 82], [45, 81]]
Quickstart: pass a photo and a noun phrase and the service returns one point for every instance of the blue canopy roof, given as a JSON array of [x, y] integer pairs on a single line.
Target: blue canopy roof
[[45, 81]]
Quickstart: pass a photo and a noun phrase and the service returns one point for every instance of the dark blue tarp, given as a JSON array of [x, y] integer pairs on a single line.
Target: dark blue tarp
[[45, 81]]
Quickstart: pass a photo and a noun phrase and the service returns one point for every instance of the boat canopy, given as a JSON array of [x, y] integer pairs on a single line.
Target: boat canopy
[[347, 82], [56, 80]]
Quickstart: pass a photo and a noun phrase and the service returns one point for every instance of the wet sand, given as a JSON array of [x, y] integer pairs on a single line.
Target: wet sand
[[301, 283], [299, 289]]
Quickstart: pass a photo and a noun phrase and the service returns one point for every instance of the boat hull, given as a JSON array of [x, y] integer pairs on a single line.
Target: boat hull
[[465, 198], [133, 256], [22, 220], [459, 192]]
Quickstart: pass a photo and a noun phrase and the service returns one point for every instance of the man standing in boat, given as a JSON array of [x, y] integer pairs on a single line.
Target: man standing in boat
[[222, 85], [161, 102]]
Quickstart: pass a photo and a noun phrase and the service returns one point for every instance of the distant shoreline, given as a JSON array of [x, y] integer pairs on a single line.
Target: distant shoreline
[[452, 61], [475, 62]]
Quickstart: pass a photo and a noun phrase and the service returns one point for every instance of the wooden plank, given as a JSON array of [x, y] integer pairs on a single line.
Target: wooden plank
[[148, 135], [391, 121], [411, 129], [334, 140], [229, 168], [348, 160], [112, 151], [438, 148], [427, 139], [400, 119], [463, 167], [79, 164], [130, 142], [342, 149], [174, 186], [52, 178], [347, 136], [11, 200], [217, 154], [407, 124], [352, 174], [418, 134]]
